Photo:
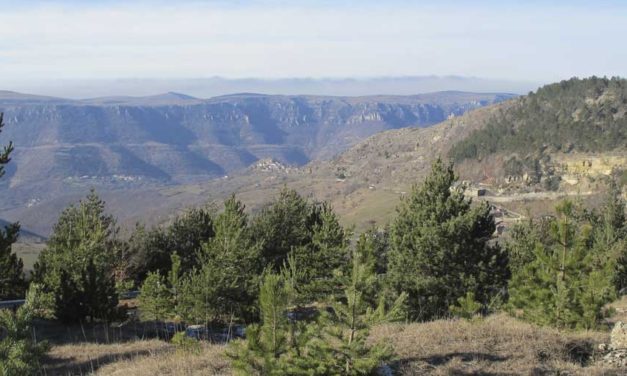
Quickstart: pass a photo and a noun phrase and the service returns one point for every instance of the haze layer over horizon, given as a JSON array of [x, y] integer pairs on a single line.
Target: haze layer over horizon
[[69, 42]]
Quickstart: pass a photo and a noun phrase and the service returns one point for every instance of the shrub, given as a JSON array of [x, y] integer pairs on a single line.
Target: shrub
[[467, 307], [186, 344], [20, 353]]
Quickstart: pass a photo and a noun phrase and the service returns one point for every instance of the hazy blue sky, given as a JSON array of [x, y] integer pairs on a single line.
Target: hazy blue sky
[[520, 40]]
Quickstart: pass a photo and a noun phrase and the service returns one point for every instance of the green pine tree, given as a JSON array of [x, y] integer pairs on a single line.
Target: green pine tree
[[140, 252], [286, 223], [334, 344], [371, 250], [79, 263], [155, 298], [467, 307], [160, 298], [611, 234], [373, 247], [441, 248], [12, 284], [100, 296], [187, 234], [570, 277], [524, 237], [325, 259], [266, 343], [5, 154], [340, 345], [20, 353], [149, 250], [226, 284]]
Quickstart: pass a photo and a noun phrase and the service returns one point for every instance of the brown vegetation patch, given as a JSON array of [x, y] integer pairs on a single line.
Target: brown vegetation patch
[[150, 357], [496, 345], [211, 360], [86, 358]]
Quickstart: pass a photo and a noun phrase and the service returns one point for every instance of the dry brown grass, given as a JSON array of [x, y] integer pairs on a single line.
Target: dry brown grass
[[211, 360], [496, 345], [620, 311], [149, 357], [85, 358]]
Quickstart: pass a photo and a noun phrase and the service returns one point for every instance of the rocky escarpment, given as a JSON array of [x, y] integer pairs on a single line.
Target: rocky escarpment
[[173, 138]]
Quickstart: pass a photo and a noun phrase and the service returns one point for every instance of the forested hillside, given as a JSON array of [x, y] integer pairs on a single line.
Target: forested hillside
[[582, 115]]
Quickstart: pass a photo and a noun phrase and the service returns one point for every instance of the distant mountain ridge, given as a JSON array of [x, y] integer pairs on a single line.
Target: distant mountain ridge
[[174, 138], [205, 87], [364, 182], [169, 98]]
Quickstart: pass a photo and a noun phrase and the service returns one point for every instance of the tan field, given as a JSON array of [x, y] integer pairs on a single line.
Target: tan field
[[495, 345]]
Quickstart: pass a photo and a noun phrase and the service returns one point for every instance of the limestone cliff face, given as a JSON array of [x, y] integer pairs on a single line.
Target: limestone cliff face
[[175, 138]]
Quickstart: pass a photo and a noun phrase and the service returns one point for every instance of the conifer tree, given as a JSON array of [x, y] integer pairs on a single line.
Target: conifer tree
[[324, 259], [611, 234], [5, 154], [187, 234], [160, 297], [613, 214], [143, 253], [353, 317], [339, 346], [226, 284], [79, 262], [12, 285], [149, 250], [154, 298], [20, 353], [441, 249], [334, 344], [524, 237], [266, 343], [98, 288], [570, 278], [371, 250], [467, 307], [288, 222]]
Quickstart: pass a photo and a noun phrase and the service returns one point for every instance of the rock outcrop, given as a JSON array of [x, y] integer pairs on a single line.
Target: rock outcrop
[[615, 353]]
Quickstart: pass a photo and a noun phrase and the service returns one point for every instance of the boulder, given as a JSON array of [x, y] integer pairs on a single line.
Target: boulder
[[618, 337]]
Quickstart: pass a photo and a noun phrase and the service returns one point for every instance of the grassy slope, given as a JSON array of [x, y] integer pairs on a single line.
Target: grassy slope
[[139, 358], [497, 345]]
